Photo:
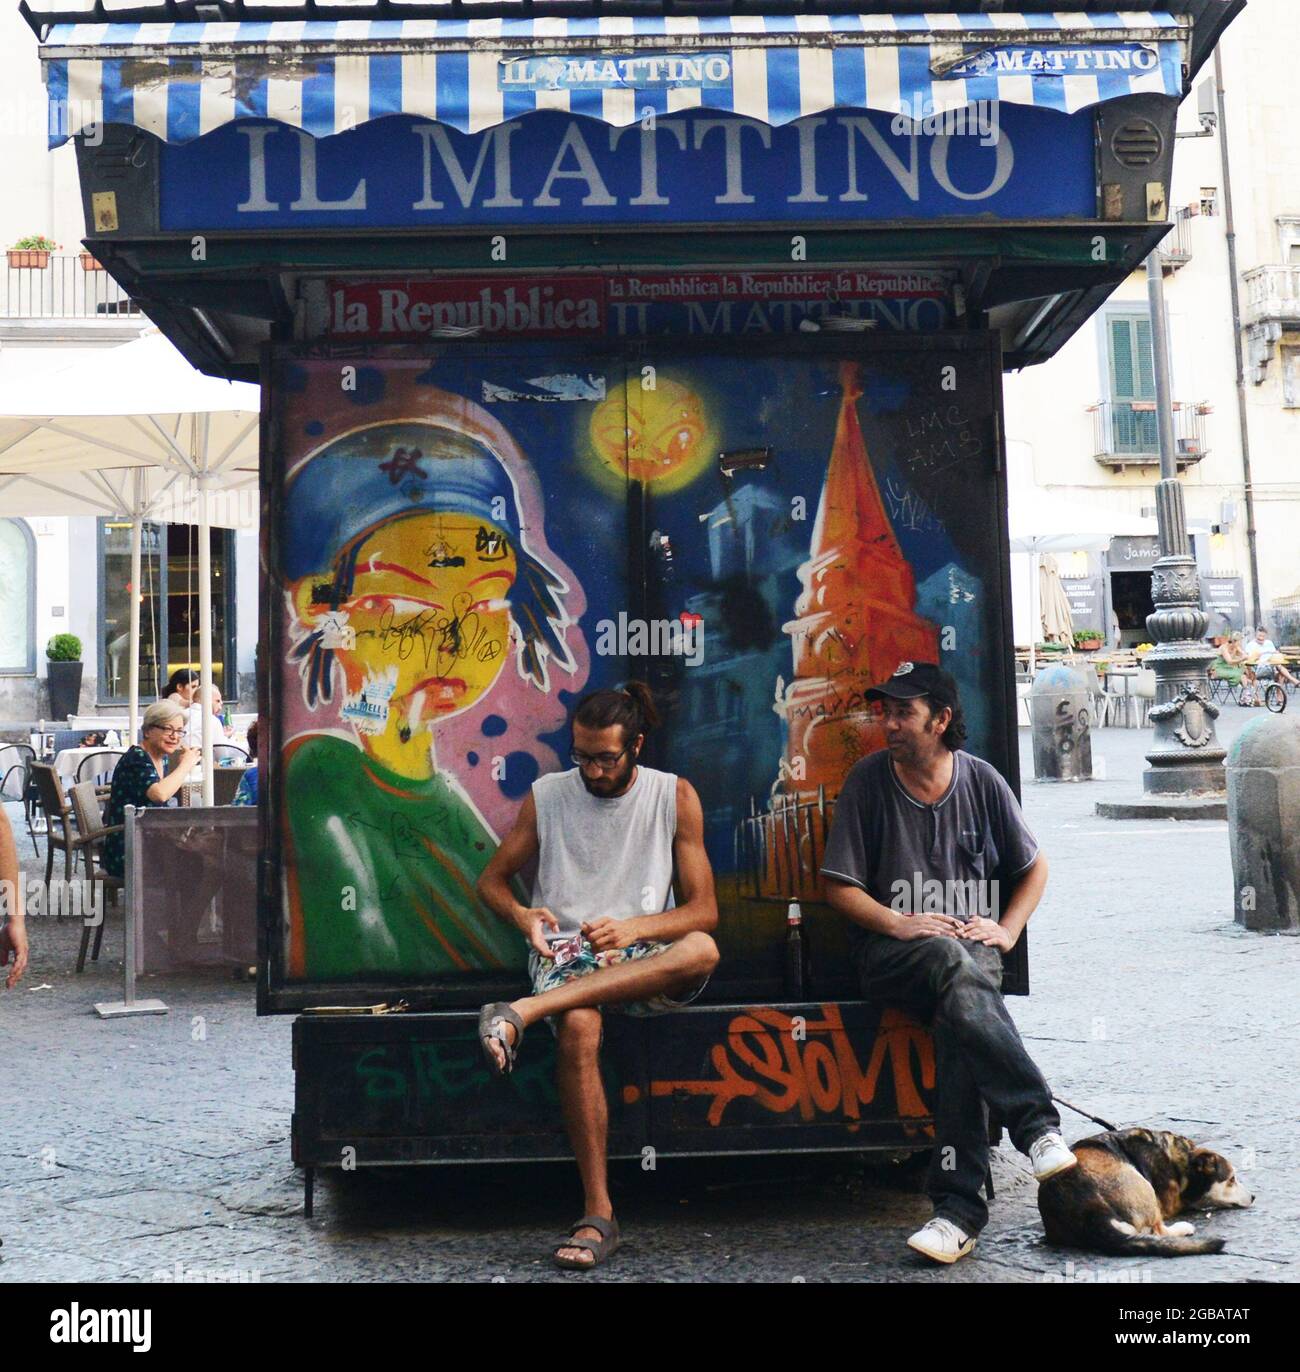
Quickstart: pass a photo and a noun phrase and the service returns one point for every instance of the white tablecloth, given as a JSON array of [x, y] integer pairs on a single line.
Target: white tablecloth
[[67, 762]]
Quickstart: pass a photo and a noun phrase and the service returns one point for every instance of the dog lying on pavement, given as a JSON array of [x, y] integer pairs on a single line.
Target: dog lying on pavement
[[1127, 1184]]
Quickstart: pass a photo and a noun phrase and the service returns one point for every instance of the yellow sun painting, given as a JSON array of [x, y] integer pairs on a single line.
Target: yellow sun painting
[[661, 437]]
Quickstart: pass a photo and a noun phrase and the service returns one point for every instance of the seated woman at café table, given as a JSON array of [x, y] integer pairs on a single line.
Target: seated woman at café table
[[247, 792], [138, 777]]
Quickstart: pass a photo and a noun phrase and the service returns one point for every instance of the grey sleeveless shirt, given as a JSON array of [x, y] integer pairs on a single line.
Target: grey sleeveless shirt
[[604, 857]]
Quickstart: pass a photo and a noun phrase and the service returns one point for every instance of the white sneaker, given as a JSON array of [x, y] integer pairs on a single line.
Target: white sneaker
[[942, 1240], [1049, 1156]]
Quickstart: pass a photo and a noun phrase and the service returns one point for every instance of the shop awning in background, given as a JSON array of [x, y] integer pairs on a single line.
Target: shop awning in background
[[182, 80]]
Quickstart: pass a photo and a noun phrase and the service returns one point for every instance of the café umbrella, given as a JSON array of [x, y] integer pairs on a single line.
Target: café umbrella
[[1043, 523], [133, 432]]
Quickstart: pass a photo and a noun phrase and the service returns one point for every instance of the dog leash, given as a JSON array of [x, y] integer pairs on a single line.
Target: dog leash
[[1096, 1119]]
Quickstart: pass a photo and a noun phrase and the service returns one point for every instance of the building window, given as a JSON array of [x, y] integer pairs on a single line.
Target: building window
[[1132, 384], [169, 607], [1291, 377], [1209, 200], [1288, 234], [17, 598]]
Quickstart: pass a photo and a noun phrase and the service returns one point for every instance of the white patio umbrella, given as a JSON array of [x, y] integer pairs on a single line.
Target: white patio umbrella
[[133, 432], [1043, 522]]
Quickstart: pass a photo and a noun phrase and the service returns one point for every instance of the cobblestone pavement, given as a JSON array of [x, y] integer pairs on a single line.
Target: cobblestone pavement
[[143, 1146]]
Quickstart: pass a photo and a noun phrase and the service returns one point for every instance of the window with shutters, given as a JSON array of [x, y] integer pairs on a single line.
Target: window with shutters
[[1132, 384]]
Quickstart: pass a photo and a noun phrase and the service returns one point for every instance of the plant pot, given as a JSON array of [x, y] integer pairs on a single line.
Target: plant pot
[[90, 263], [65, 688], [1088, 645], [35, 258]]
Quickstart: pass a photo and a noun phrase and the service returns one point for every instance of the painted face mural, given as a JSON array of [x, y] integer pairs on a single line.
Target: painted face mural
[[413, 590], [426, 627]]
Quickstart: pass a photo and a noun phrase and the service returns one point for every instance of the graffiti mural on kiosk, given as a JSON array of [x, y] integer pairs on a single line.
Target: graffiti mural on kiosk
[[810, 1067], [453, 534], [417, 588]]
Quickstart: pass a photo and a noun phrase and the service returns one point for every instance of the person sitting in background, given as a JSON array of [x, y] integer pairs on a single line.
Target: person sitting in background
[[1228, 666], [138, 777], [194, 718], [1264, 663], [182, 686], [247, 792]]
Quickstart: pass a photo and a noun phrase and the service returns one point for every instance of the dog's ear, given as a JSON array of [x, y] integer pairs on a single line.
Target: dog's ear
[[1204, 1169]]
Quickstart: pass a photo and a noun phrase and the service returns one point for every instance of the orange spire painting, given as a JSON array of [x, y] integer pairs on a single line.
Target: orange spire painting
[[854, 620]]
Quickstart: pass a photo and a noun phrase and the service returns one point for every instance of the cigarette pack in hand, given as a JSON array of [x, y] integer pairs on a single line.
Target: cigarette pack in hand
[[566, 950]]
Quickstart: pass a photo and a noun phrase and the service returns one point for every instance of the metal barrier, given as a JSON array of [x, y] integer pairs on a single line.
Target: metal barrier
[[191, 887]]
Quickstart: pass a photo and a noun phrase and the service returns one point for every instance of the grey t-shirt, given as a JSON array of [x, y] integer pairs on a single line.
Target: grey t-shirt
[[959, 856]]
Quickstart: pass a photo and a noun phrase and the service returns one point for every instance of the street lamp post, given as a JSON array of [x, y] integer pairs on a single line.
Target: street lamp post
[[1185, 758]]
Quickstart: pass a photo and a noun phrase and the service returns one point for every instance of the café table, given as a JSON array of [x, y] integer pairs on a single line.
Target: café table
[[69, 760]]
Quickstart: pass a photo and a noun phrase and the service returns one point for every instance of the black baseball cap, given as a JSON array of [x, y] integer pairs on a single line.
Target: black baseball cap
[[912, 679]]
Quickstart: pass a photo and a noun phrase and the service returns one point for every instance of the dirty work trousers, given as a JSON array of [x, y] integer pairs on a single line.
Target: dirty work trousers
[[980, 1062]]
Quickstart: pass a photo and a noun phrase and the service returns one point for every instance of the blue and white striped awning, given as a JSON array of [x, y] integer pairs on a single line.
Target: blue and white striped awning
[[183, 80]]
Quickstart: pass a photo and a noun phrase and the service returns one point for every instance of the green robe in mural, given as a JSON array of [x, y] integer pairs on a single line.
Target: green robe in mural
[[382, 870]]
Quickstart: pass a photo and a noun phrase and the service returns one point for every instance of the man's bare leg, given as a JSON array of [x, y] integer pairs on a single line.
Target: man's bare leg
[[681, 966], [586, 1115]]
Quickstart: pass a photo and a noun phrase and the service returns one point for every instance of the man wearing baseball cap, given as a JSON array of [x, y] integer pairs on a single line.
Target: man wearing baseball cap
[[932, 864]]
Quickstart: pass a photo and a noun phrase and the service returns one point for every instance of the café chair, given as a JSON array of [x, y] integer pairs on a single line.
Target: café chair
[[16, 782], [61, 830], [90, 823], [99, 768], [225, 782]]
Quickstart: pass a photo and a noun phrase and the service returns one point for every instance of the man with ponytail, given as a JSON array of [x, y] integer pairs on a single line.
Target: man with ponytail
[[604, 929]]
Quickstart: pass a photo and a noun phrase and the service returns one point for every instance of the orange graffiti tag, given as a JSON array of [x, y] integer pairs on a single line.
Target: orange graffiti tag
[[782, 1065]]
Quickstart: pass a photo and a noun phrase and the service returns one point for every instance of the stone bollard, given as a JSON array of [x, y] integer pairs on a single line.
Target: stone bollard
[[1060, 719], [1264, 823]]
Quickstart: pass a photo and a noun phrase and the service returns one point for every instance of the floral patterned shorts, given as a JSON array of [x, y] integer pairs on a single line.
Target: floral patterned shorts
[[546, 976]]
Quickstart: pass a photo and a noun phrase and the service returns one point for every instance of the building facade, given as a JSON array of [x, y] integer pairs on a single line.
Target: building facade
[[1083, 425], [70, 575]]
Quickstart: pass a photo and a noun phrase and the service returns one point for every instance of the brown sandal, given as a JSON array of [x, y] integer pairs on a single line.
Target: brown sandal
[[600, 1249]]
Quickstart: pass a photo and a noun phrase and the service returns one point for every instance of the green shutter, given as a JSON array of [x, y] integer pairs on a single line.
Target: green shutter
[[1146, 357], [1132, 378], [1121, 360]]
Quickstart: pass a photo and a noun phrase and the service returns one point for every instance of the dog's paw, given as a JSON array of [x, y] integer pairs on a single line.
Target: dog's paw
[[1181, 1230]]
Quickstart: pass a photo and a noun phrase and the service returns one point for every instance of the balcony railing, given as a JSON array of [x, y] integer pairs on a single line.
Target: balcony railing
[[62, 289], [1176, 246], [1126, 433], [1273, 293]]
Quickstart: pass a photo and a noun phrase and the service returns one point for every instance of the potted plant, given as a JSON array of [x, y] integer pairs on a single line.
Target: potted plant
[[89, 262], [1088, 640], [32, 251], [64, 667]]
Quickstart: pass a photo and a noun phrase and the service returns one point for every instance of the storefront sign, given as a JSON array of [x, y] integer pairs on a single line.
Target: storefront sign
[[551, 169], [1132, 553], [1058, 61], [1224, 596], [1087, 606], [634, 304], [603, 71]]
